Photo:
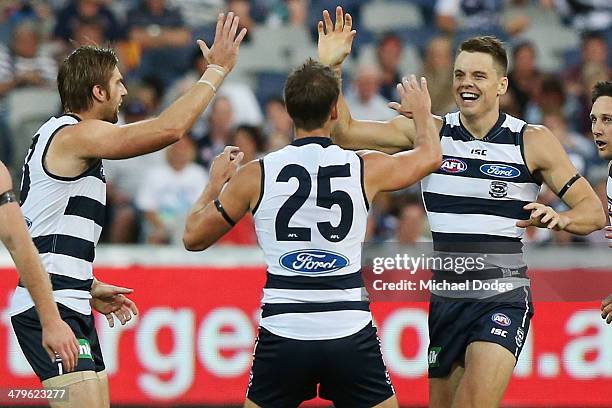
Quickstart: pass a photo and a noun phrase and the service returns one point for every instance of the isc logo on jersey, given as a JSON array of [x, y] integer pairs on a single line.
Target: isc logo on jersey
[[312, 261], [453, 166], [501, 319], [500, 170]]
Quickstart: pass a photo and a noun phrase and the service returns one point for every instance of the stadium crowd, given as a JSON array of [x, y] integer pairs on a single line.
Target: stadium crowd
[[150, 196]]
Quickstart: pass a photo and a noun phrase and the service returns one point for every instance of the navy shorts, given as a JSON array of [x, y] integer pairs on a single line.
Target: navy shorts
[[29, 334], [455, 323], [348, 371]]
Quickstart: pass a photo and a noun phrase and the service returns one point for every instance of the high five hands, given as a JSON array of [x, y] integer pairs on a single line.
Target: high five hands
[[335, 40]]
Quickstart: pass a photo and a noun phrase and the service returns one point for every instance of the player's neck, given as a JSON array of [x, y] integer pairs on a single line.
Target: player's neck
[[321, 132], [84, 115], [479, 126]]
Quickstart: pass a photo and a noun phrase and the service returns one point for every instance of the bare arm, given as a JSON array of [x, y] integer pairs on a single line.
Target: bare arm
[[546, 157], [205, 223], [392, 136], [95, 139], [57, 336], [388, 173]]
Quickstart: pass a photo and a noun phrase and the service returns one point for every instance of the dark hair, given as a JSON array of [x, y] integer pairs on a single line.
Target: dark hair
[[311, 91], [84, 68], [254, 133], [602, 88], [487, 45]]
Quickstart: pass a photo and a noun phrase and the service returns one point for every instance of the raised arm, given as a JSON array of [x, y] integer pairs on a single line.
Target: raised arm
[[229, 194], [57, 335], [546, 157], [95, 139], [385, 172], [335, 42]]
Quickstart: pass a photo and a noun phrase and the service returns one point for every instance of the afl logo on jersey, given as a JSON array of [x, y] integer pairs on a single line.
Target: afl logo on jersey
[[312, 261], [453, 166], [500, 170], [28, 222], [501, 319]]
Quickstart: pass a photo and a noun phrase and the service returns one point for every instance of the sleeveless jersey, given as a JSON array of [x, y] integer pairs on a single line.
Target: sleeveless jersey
[[475, 198], [310, 222], [65, 216]]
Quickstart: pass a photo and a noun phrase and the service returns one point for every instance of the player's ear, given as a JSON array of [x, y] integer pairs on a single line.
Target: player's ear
[[99, 93], [502, 86], [334, 111]]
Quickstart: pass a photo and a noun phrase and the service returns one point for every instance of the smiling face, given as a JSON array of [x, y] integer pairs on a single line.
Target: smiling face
[[601, 125], [477, 83]]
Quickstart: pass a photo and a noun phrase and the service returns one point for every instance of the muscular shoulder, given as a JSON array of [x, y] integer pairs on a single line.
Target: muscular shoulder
[[542, 147]]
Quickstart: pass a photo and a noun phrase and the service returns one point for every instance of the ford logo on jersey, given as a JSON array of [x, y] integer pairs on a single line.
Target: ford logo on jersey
[[501, 319], [500, 170], [453, 166], [313, 261]]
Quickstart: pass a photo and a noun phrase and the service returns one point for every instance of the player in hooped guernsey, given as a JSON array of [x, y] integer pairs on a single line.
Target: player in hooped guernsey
[[601, 125], [63, 196], [480, 201], [310, 204]]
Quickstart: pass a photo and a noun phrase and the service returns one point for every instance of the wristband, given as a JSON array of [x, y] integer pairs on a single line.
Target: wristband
[[8, 197]]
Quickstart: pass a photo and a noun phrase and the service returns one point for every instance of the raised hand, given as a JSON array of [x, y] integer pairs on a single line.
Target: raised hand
[[335, 40], [224, 51], [414, 97], [225, 165]]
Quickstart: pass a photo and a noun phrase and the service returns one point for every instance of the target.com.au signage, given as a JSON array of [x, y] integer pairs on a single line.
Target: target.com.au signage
[[193, 343]]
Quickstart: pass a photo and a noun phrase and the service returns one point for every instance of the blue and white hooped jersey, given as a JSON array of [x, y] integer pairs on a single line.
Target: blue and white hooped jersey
[[311, 222], [65, 216], [478, 193]]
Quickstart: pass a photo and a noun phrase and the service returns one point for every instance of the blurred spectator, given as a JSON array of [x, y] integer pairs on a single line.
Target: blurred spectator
[[160, 33], [579, 149], [485, 16], [69, 19], [244, 103], [219, 132], [89, 31], [25, 63], [14, 12], [381, 221], [249, 140], [279, 126], [389, 55], [583, 15], [411, 224], [168, 191], [579, 78], [550, 97], [288, 12], [364, 98], [524, 79], [438, 69], [124, 177], [242, 8], [594, 50]]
